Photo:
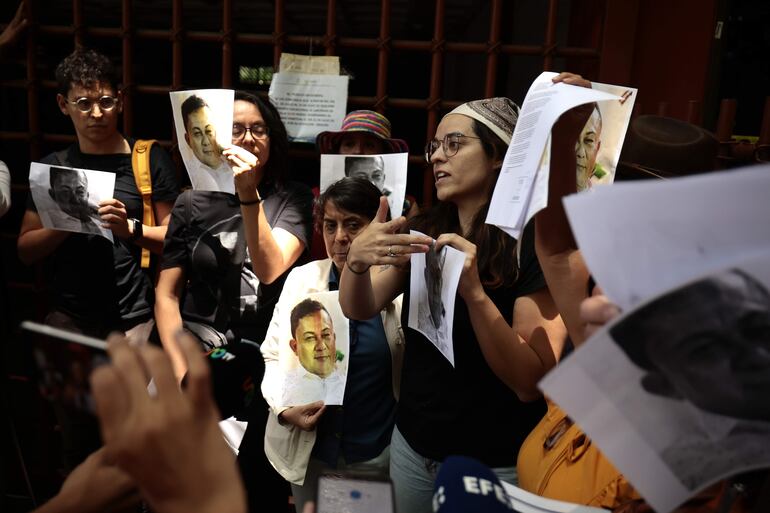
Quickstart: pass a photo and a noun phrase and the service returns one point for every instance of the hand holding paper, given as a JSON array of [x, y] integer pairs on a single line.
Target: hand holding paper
[[522, 188]]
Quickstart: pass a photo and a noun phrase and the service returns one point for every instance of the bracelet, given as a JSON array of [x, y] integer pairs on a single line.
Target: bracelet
[[252, 202], [357, 272], [138, 229]]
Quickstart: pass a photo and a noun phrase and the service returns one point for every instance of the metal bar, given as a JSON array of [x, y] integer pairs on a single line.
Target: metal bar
[[764, 131], [128, 68], [227, 44], [177, 42], [154, 89], [330, 40], [493, 48], [77, 22], [345, 42], [258, 39], [434, 96], [33, 86], [383, 44], [694, 112], [100, 32], [550, 36], [726, 120], [278, 34], [403, 103]]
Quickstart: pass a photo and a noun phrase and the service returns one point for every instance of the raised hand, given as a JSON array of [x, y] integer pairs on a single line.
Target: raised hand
[[470, 283], [168, 442], [382, 244], [596, 311], [115, 217], [247, 171], [572, 122]]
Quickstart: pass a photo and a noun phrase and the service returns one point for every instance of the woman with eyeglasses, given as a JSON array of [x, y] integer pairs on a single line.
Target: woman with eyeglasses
[[305, 440], [225, 255], [506, 331], [225, 259]]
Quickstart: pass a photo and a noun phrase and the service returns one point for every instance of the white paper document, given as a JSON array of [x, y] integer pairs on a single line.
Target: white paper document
[[519, 192], [68, 198], [642, 238], [387, 172], [526, 502], [675, 392], [309, 103], [433, 286], [315, 64], [600, 142], [203, 119]]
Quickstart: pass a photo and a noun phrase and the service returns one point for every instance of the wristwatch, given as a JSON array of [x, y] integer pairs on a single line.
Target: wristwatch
[[137, 228]]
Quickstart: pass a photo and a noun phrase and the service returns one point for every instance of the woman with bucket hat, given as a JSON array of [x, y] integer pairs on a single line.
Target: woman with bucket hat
[[365, 132]]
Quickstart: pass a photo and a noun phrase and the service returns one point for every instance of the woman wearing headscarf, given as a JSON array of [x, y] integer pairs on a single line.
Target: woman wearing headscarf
[[506, 331]]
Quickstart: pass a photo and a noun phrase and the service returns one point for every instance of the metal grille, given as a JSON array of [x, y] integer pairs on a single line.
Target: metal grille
[[412, 61]]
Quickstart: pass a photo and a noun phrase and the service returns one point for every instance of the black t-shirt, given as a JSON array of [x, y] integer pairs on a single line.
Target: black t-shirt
[[466, 410], [91, 279], [206, 238]]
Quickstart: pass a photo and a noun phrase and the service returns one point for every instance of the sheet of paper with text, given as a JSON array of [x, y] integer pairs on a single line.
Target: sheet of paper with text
[[309, 103], [520, 192]]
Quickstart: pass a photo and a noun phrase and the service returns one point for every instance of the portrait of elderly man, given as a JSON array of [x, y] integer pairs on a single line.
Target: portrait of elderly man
[[587, 149], [314, 342], [370, 168], [69, 189], [208, 171], [707, 346]]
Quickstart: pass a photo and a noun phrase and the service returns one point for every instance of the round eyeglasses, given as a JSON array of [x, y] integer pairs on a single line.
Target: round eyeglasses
[[450, 144], [83, 104], [256, 131]]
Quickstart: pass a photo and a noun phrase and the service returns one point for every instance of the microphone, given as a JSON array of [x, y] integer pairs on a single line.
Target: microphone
[[236, 376], [465, 485]]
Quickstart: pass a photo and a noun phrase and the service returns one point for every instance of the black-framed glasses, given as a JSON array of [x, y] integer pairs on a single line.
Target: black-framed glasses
[[450, 144], [106, 103], [257, 131]]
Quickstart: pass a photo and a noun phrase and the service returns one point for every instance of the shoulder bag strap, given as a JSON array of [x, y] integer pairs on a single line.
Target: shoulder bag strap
[[140, 163]]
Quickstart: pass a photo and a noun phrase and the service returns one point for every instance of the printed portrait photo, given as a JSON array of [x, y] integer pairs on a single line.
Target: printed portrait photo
[[68, 198], [433, 284], [315, 354], [598, 147], [704, 349], [387, 172], [203, 120]]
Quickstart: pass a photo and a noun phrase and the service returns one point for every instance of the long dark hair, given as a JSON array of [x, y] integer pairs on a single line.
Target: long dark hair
[[496, 250], [277, 168]]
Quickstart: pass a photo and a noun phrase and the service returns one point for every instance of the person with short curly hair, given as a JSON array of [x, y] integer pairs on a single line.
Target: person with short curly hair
[[94, 286]]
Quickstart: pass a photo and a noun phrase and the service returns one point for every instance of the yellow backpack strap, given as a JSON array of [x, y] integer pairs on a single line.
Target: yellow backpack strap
[[140, 162]]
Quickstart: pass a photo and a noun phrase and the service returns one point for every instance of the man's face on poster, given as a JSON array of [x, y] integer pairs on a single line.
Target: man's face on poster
[[372, 169], [201, 136], [70, 192], [720, 359], [315, 343], [587, 148], [433, 282]]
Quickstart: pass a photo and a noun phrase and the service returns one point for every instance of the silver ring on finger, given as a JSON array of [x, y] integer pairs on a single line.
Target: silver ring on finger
[[390, 252]]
